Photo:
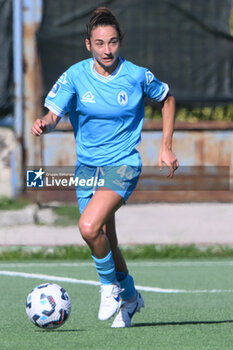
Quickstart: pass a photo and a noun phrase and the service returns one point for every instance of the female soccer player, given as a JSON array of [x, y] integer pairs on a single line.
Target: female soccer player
[[104, 97]]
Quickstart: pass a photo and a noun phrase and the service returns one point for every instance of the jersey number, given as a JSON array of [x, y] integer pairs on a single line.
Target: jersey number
[[122, 171]]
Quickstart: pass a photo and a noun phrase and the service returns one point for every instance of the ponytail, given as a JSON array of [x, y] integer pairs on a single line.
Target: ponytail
[[102, 16]]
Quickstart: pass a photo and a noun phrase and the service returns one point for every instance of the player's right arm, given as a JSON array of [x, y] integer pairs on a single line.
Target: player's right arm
[[57, 102], [45, 124]]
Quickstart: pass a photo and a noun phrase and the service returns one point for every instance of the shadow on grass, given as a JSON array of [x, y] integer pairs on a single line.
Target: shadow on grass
[[181, 323], [60, 330]]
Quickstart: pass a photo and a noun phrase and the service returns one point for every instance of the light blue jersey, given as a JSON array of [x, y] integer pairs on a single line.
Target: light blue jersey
[[106, 112]]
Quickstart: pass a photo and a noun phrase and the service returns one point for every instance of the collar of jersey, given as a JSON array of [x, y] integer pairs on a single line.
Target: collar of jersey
[[109, 77]]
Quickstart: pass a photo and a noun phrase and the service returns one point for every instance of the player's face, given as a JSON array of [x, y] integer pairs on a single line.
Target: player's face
[[104, 45]]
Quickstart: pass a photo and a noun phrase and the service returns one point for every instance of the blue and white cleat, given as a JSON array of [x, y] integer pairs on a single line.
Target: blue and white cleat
[[126, 311], [110, 300]]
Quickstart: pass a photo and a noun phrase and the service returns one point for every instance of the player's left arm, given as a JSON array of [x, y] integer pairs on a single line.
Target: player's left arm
[[166, 156]]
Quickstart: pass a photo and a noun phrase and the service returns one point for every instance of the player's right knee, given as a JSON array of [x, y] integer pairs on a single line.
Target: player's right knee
[[88, 230]]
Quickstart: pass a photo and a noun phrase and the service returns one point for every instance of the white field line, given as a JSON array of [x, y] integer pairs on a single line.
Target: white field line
[[54, 264], [130, 263], [95, 283], [48, 277]]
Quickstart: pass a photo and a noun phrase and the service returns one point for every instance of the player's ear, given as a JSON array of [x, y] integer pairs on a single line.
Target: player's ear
[[88, 44]]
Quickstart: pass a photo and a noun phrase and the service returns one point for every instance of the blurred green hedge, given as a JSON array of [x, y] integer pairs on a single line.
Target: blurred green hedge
[[217, 113]]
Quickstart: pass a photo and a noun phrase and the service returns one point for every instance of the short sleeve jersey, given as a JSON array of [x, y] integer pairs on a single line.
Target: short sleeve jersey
[[106, 112]]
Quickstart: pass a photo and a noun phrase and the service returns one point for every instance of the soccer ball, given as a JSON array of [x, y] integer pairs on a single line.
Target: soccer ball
[[48, 306]]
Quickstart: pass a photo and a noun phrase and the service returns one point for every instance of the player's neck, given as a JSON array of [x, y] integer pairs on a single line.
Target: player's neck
[[103, 70]]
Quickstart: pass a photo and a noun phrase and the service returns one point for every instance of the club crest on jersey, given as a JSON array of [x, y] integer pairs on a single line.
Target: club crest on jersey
[[88, 97], [53, 92], [149, 77], [122, 98]]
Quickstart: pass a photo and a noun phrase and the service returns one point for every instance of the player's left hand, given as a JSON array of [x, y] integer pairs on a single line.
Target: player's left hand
[[168, 158]]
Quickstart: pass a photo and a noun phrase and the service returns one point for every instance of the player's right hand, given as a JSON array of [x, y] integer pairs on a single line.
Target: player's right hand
[[39, 127]]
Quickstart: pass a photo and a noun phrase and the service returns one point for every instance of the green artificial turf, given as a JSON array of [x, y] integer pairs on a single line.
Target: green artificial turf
[[199, 318]]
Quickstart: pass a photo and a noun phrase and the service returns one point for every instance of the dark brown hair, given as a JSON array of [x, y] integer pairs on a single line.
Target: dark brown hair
[[102, 16]]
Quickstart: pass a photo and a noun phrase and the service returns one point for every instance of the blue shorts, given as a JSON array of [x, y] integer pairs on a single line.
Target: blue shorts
[[121, 179]]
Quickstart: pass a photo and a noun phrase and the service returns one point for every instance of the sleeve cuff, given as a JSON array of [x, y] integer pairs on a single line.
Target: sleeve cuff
[[164, 94], [54, 108]]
